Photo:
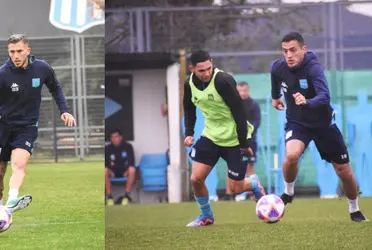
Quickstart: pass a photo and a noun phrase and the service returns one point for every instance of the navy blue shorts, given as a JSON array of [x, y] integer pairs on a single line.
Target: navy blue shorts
[[16, 137], [206, 152], [118, 172], [329, 141]]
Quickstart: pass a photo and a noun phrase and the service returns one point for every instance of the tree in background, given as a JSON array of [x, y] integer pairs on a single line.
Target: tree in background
[[220, 30]]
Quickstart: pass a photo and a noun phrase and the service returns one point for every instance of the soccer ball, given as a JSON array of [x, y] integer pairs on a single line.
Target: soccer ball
[[5, 218], [270, 208]]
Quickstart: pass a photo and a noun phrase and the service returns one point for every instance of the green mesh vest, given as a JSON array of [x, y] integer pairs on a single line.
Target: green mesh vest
[[220, 126]]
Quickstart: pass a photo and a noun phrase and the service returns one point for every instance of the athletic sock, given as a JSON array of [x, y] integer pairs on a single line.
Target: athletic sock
[[205, 206], [13, 194], [253, 181], [353, 205], [289, 188]]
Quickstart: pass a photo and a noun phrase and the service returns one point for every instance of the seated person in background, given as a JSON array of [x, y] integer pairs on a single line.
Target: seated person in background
[[253, 113], [119, 162]]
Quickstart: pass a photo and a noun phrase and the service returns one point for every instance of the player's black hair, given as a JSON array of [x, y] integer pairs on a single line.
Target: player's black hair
[[16, 38], [293, 36], [243, 83], [116, 130], [199, 56]]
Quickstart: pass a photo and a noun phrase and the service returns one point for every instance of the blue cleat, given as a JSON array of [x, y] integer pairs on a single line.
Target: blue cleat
[[259, 191], [202, 220]]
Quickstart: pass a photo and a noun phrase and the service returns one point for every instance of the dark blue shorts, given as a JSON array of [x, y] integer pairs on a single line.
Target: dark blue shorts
[[329, 141], [118, 173], [16, 137], [206, 152]]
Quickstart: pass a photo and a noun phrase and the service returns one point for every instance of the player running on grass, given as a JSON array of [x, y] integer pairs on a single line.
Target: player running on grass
[[225, 134], [21, 80], [309, 117]]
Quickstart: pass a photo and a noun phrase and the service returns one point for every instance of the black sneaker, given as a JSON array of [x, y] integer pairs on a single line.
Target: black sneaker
[[129, 198], [358, 217], [286, 198], [124, 200]]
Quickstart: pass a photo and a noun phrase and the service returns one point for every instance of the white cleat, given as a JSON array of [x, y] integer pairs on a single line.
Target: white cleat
[[19, 203], [240, 197], [213, 198]]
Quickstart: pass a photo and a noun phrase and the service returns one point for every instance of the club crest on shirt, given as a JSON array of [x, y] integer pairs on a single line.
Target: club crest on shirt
[[210, 97], [303, 84], [196, 100], [35, 82], [124, 154]]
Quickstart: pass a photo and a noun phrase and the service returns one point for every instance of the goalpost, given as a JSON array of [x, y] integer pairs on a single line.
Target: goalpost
[[178, 177]]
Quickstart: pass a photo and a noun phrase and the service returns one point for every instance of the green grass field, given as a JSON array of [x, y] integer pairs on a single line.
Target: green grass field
[[67, 211], [308, 224]]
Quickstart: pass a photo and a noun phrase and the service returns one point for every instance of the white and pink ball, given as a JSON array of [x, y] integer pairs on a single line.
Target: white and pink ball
[[5, 218], [270, 208]]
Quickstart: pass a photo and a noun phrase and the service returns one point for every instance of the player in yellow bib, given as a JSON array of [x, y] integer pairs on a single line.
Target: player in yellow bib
[[226, 133]]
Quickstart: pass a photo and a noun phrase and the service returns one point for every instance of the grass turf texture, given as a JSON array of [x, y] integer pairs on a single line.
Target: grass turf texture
[[67, 211], [307, 224]]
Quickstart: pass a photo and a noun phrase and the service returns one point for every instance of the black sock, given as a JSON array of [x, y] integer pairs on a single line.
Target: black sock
[[109, 196]]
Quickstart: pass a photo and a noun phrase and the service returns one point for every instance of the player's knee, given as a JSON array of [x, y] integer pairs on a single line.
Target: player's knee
[[196, 180], [131, 171], [18, 166], [343, 170], [292, 157]]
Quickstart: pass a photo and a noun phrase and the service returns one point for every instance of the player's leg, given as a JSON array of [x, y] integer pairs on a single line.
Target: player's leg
[[349, 186], [250, 172], [19, 160], [130, 173], [237, 168], [204, 155], [108, 175], [250, 169], [5, 152], [251, 183], [332, 148], [243, 196], [229, 194], [297, 138], [21, 145], [3, 167], [199, 173], [252, 159]]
